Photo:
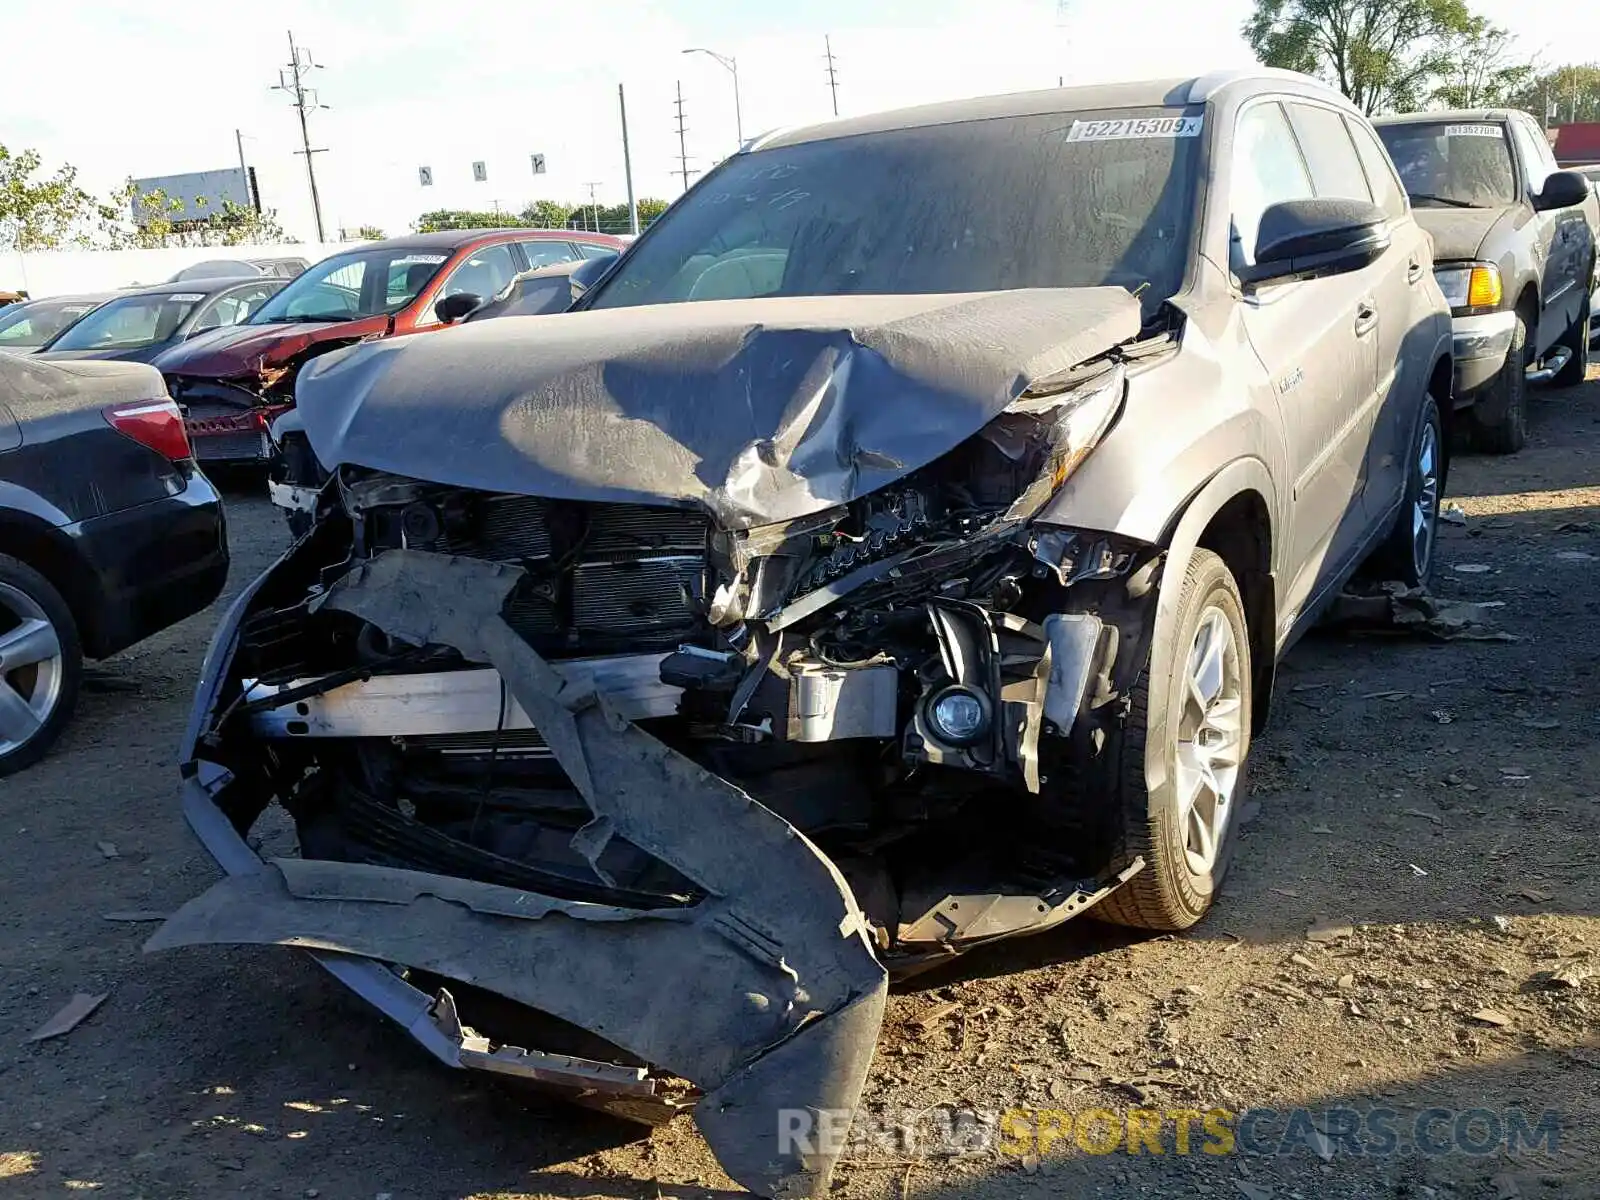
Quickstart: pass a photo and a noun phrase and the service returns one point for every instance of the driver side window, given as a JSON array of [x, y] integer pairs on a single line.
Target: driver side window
[[1267, 169]]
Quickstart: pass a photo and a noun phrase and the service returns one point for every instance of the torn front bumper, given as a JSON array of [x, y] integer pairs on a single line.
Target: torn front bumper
[[765, 993]]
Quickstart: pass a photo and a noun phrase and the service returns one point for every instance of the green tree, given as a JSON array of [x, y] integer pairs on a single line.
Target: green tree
[[546, 214], [370, 233], [460, 218], [1485, 70], [40, 212], [1563, 94], [1382, 54]]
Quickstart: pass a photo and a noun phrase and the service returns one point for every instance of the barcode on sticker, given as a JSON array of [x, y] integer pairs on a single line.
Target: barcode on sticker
[[1493, 131], [1135, 127]]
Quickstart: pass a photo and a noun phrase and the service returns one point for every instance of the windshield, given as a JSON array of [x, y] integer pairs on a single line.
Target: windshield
[[29, 326], [1059, 200], [130, 323], [1452, 164], [346, 287]]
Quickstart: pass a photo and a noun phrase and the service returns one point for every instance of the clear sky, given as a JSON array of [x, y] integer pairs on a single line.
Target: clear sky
[[129, 88]]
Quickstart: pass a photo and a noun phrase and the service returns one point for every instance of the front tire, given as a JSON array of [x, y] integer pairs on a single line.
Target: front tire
[[1183, 753], [41, 665], [1507, 397]]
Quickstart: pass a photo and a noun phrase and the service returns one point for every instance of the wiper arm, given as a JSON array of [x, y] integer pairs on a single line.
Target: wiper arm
[[1450, 200]]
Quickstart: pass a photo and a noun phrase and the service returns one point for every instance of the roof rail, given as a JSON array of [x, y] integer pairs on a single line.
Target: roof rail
[[1206, 86]]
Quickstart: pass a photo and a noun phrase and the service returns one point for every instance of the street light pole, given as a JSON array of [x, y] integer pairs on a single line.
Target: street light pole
[[731, 64]]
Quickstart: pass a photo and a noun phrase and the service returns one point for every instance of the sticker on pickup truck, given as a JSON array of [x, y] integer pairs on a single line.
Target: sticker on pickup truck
[[1135, 127], [1488, 131]]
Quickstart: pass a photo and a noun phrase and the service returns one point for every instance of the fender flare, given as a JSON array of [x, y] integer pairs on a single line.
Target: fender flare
[[1242, 475]]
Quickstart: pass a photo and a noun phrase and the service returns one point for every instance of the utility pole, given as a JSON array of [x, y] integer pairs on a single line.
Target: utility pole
[[627, 164], [683, 149], [594, 207], [833, 76], [304, 100]]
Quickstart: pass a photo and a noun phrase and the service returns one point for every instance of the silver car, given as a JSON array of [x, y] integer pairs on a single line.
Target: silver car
[[889, 555]]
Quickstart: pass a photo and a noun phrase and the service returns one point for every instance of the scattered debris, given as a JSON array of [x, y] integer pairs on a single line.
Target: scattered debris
[[1426, 816], [1569, 975], [69, 1017], [1453, 514], [1575, 527], [1346, 982], [1323, 829], [1396, 608], [935, 1014], [1386, 695], [1300, 960], [1491, 1016], [1576, 556], [1416, 870], [107, 849], [1330, 931], [1030, 1164], [1471, 568], [1310, 687], [1541, 723], [1537, 895], [135, 915], [1503, 924], [1442, 717], [1290, 892]]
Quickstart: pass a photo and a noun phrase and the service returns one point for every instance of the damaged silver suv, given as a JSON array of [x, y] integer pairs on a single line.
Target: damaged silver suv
[[891, 556]]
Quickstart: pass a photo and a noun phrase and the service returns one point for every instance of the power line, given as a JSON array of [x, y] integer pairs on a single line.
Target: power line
[[594, 207], [683, 149], [304, 100], [833, 75]]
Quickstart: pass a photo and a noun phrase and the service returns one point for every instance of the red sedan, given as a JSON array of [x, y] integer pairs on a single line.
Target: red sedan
[[232, 382]]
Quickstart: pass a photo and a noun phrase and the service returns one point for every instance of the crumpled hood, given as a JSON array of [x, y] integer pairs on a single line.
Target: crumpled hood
[[236, 350], [758, 410], [1459, 233]]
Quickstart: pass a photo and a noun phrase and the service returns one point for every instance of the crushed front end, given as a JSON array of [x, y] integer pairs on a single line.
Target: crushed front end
[[642, 803]]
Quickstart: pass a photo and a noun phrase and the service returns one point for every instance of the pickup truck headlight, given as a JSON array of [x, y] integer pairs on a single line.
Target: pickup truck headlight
[[1473, 286]]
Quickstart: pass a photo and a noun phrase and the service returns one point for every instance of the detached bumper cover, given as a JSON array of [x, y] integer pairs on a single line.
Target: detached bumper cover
[[766, 994], [1480, 348]]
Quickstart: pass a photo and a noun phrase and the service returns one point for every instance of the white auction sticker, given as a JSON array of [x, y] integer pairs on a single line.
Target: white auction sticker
[[186, 297], [1135, 127], [1489, 131]]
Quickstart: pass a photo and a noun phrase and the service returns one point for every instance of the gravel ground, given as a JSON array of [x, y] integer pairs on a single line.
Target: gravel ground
[[1429, 808]]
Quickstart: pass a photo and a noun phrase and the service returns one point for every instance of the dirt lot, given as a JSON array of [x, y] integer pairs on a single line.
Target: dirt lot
[[1439, 799]]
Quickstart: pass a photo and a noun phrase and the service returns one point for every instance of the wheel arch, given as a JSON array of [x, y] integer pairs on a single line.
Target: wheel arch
[[1231, 515], [49, 552]]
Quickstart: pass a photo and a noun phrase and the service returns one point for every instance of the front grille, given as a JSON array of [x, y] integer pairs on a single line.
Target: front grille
[[230, 447]]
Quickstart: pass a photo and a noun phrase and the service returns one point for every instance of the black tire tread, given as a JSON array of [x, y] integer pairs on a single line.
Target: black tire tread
[[1510, 433], [1146, 901]]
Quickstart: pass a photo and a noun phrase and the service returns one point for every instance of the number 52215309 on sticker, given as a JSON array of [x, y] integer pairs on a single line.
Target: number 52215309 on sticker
[[1135, 127]]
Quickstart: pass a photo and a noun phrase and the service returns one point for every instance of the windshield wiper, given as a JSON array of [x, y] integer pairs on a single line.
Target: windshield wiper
[[1450, 200]]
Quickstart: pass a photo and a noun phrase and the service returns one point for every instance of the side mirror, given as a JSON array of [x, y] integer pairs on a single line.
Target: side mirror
[[590, 272], [1562, 190], [1303, 239], [452, 308]]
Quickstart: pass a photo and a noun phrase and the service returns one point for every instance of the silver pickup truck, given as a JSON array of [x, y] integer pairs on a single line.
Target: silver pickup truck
[[1514, 252]]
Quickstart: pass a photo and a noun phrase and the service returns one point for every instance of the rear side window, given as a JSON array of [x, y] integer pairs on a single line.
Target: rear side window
[[1335, 169], [547, 252], [1267, 170], [1386, 191]]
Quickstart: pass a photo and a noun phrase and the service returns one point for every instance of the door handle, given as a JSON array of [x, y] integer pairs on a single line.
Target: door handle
[[1366, 317], [1414, 272]]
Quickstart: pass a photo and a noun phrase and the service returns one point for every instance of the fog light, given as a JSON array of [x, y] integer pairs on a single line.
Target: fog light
[[959, 716]]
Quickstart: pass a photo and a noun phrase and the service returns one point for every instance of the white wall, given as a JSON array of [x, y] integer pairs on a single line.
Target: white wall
[[58, 272]]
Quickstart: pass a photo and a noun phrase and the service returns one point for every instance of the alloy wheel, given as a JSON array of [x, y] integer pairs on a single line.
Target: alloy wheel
[[32, 668], [1425, 510], [1210, 740]]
